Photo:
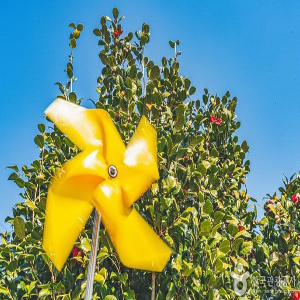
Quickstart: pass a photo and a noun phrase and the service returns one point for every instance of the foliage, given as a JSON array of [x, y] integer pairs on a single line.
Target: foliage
[[279, 251], [199, 206]]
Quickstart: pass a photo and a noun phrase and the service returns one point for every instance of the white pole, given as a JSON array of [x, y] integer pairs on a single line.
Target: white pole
[[93, 257]]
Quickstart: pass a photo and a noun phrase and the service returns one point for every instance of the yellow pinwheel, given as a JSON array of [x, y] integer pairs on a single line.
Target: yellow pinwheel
[[108, 176]]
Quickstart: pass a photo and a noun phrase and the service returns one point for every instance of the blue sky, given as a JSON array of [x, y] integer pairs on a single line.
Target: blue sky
[[251, 49]]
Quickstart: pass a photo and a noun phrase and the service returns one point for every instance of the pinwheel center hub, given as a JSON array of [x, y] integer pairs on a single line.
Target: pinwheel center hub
[[112, 171]]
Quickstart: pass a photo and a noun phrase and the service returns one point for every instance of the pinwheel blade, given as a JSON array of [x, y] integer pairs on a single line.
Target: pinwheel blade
[[136, 243], [113, 145], [65, 219], [139, 167], [69, 203], [79, 124]]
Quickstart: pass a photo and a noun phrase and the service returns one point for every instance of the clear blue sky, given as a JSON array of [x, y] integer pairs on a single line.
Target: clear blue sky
[[251, 48]]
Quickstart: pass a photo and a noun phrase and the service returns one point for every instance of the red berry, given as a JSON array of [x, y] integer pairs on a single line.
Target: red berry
[[117, 116], [121, 31], [116, 33], [271, 201], [184, 191]]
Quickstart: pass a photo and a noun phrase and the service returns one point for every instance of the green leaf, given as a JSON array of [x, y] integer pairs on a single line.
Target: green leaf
[[80, 27], [237, 243], [246, 247], [296, 260], [110, 297], [44, 292], [70, 70], [245, 146], [205, 226], [30, 204], [208, 207], [201, 197], [40, 141], [233, 229], [12, 265], [30, 185], [3, 290], [97, 32], [192, 91], [224, 246], [72, 43], [177, 263], [19, 226], [218, 216], [115, 13], [172, 44], [107, 18], [85, 245], [42, 128], [180, 120], [72, 25], [146, 28], [101, 276], [154, 72], [104, 59], [13, 167], [219, 266], [202, 169], [244, 233], [20, 182], [73, 97], [172, 292], [128, 94]]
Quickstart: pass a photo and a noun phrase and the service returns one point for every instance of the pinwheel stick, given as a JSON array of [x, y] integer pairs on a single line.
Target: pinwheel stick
[[93, 257]]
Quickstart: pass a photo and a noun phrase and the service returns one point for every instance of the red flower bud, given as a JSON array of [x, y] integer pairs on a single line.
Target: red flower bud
[[212, 119], [215, 120], [241, 228], [116, 33], [271, 201], [296, 295], [121, 31], [296, 198], [218, 121], [77, 252]]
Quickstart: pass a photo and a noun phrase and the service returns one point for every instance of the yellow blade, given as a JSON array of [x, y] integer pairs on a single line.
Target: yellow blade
[[65, 219], [139, 168], [137, 245], [134, 183], [113, 145], [80, 125], [69, 203], [88, 163]]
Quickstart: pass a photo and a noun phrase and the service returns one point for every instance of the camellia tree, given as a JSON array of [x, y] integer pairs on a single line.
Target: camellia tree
[[199, 206], [278, 254]]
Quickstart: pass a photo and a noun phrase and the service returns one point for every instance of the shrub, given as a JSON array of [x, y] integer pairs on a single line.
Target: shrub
[[199, 206]]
